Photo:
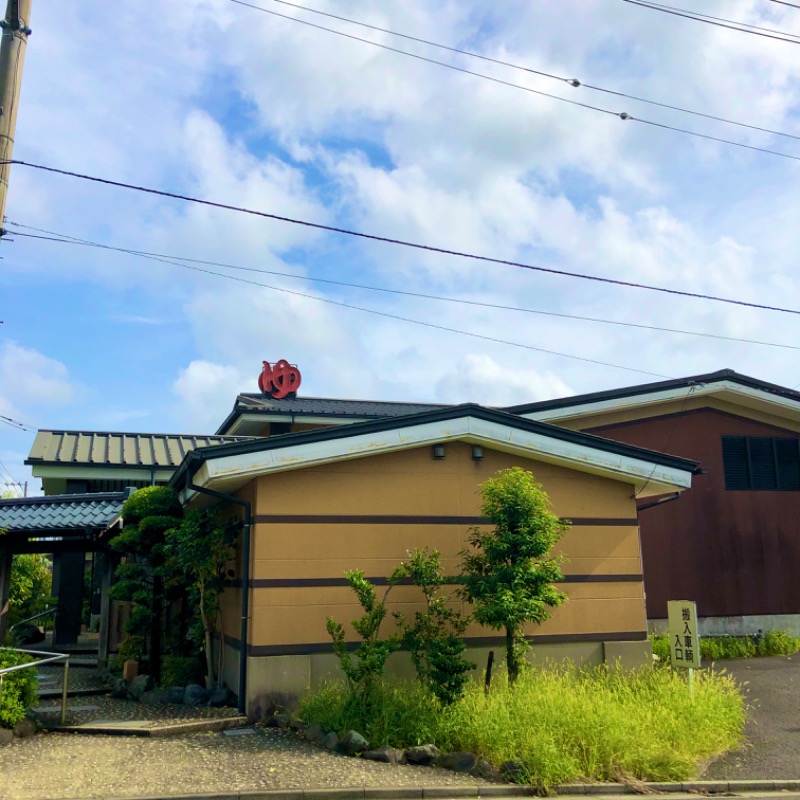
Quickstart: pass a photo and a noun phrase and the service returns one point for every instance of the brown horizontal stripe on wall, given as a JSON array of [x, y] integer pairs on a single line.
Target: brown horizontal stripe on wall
[[476, 641], [399, 519], [302, 583]]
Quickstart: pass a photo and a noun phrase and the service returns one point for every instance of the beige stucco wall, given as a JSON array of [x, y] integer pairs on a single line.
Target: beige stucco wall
[[394, 503]]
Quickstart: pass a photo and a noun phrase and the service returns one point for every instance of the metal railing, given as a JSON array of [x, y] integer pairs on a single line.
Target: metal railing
[[50, 658], [46, 612]]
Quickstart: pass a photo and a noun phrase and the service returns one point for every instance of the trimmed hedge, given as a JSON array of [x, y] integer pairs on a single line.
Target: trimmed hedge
[[717, 648]]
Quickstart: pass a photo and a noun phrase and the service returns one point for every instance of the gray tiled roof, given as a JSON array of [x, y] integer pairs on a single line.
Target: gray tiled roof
[[328, 407], [61, 512], [162, 451]]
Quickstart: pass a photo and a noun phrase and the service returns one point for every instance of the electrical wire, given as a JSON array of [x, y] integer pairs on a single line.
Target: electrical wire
[[53, 236], [20, 426], [784, 3], [573, 82], [720, 22], [398, 317], [625, 116], [405, 243]]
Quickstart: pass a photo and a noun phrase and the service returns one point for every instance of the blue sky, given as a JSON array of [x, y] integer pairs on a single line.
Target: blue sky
[[223, 102]]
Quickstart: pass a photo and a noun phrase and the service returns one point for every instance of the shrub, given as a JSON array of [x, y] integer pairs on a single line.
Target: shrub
[[19, 688], [180, 670], [434, 636], [131, 648], [364, 667], [717, 648]]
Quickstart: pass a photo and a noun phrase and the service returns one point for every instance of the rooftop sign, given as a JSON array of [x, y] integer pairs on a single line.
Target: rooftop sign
[[280, 379]]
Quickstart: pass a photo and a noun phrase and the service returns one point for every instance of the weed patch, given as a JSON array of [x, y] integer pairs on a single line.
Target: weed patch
[[564, 725]]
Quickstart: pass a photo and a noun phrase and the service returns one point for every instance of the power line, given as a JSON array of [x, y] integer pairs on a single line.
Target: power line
[[405, 243], [63, 238], [784, 3], [720, 22], [399, 318], [574, 82], [625, 116], [20, 426]]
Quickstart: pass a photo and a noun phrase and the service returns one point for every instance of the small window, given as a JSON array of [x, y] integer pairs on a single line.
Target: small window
[[761, 463]]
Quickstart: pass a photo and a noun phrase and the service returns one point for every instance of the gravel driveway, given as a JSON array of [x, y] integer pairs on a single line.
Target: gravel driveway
[[71, 766]]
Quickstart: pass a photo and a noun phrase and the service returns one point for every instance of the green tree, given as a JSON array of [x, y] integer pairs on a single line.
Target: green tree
[[509, 572], [31, 586], [148, 514], [434, 636], [197, 550]]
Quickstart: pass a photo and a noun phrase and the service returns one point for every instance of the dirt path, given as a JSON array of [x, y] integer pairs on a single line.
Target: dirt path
[[773, 729]]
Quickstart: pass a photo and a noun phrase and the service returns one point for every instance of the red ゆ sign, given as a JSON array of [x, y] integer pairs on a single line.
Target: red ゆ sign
[[280, 379]]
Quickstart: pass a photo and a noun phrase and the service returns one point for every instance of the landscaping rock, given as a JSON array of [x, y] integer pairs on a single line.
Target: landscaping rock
[[139, 685], [483, 769], [219, 697], [330, 740], [195, 695], [458, 762], [385, 754], [153, 697], [424, 755], [352, 743], [6, 736], [119, 689], [25, 727], [513, 771], [174, 695], [314, 733]]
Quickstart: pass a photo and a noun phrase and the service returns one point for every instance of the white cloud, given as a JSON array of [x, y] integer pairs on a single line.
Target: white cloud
[[481, 379], [206, 392], [28, 377]]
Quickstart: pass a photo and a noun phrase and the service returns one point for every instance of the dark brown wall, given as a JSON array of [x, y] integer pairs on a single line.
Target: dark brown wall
[[734, 552]]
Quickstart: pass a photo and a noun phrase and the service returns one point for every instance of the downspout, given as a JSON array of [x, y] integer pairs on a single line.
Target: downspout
[[248, 518]]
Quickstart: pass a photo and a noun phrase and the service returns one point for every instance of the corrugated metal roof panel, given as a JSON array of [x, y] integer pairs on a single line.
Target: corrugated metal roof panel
[[162, 451]]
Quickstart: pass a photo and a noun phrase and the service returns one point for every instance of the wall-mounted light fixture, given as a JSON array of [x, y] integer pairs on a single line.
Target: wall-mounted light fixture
[[437, 451], [477, 452]]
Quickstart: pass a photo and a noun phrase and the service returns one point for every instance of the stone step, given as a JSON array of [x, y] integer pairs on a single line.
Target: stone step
[[48, 692]]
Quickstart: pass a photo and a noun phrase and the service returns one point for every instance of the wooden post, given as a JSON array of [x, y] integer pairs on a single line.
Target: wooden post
[[5, 591], [106, 570], [16, 29]]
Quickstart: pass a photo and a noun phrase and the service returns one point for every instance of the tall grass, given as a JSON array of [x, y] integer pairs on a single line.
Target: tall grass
[[564, 725]]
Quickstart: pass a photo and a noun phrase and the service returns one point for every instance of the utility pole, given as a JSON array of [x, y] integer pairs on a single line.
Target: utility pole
[[16, 30]]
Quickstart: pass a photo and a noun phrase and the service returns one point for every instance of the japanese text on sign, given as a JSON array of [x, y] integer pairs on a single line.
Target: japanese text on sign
[[684, 643]]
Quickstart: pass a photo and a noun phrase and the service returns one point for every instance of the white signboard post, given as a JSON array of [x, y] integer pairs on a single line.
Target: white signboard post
[[684, 642]]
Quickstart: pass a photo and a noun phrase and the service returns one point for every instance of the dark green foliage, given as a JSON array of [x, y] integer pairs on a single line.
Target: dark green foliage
[[180, 670], [365, 665], [718, 648], [196, 551], [434, 636], [19, 688], [131, 648], [148, 514], [509, 572]]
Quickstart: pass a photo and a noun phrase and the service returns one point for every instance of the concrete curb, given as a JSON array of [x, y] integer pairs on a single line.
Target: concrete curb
[[687, 789]]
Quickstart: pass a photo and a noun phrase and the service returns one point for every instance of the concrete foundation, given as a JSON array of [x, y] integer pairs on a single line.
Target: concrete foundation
[[282, 680], [738, 626]]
